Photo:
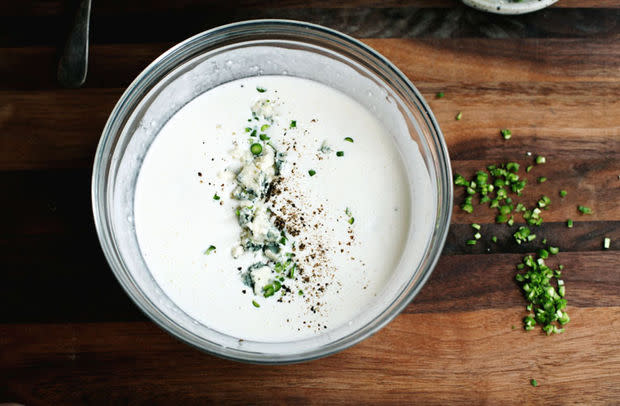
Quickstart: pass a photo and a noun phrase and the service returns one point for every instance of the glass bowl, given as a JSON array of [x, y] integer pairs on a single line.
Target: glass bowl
[[264, 47]]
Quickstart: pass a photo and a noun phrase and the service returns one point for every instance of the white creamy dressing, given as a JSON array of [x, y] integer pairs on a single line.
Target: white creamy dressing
[[177, 217]]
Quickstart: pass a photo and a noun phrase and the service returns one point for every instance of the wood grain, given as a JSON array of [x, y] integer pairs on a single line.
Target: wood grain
[[70, 335], [464, 62], [130, 362], [176, 24]]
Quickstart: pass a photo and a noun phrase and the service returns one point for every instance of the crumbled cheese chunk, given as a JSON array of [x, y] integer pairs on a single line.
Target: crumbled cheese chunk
[[260, 278]]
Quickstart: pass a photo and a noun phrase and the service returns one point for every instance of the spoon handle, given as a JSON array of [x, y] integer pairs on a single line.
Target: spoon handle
[[73, 63]]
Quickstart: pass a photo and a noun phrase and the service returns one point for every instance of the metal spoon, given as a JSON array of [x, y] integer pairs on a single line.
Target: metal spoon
[[73, 64]]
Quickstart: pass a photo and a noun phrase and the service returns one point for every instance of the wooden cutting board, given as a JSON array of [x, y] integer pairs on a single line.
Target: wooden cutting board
[[69, 334]]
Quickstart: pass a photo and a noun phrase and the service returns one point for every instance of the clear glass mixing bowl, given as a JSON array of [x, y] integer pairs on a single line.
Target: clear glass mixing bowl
[[262, 47]]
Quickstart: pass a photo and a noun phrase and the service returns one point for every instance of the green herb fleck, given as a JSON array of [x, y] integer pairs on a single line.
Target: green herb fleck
[[263, 137], [311, 172], [541, 160], [529, 168], [494, 239], [340, 153], [256, 148], [255, 303], [471, 242], [261, 89], [264, 127], [348, 139], [542, 179], [216, 197], [248, 129], [563, 193], [569, 223], [459, 116], [584, 210], [351, 220], [534, 382], [293, 123], [476, 226], [554, 250], [300, 293], [439, 95], [506, 133], [210, 249]]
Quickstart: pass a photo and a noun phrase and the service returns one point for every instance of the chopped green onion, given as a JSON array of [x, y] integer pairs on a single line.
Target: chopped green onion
[[476, 226], [300, 293], [347, 211], [293, 123], [311, 172], [506, 133], [351, 220], [606, 243], [534, 382], [216, 197], [255, 303], [253, 134], [563, 193], [529, 168], [264, 127], [494, 239], [263, 137], [460, 180], [248, 129], [439, 95], [210, 249], [543, 253], [349, 139], [541, 160], [256, 148], [471, 242], [511, 221], [261, 89], [554, 250], [477, 236], [340, 153], [467, 208], [542, 179], [459, 116], [584, 210], [512, 167]]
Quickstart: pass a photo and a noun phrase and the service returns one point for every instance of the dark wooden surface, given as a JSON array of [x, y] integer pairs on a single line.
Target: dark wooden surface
[[69, 334]]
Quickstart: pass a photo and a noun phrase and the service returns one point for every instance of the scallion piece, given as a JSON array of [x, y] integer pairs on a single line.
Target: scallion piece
[[540, 160], [494, 239], [340, 153], [471, 242], [439, 95], [606, 243], [348, 139], [210, 249], [263, 137], [477, 236], [542, 179], [256, 149], [459, 116], [506, 133], [563, 193], [255, 303], [584, 209], [261, 89], [569, 223], [554, 250], [293, 123], [216, 197], [534, 382], [311, 172], [476, 226], [351, 220], [529, 168]]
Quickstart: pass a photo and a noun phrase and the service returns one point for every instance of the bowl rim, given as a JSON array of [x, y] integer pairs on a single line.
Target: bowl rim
[[442, 218]]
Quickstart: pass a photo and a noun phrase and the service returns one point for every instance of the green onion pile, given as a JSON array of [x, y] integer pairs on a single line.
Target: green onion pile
[[497, 186]]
